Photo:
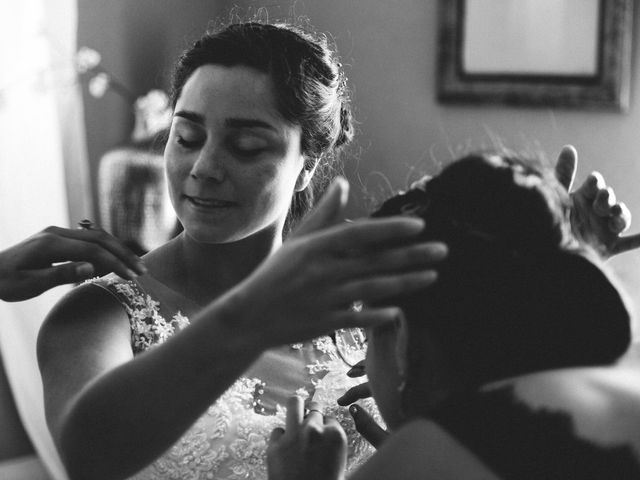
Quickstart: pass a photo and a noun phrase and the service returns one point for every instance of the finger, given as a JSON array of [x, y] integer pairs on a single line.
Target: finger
[[369, 318], [61, 248], [389, 260], [332, 421], [294, 413], [624, 244], [358, 370], [604, 201], [354, 394], [566, 166], [34, 282], [108, 242], [366, 233], [621, 219], [315, 415], [367, 426], [276, 434], [334, 430], [380, 287], [590, 187], [328, 211]]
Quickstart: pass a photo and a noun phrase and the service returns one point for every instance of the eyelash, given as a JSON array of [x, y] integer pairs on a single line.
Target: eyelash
[[186, 143], [242, 152], [251, 152]]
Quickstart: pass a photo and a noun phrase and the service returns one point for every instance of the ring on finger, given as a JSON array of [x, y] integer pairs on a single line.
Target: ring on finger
[[85, 224]]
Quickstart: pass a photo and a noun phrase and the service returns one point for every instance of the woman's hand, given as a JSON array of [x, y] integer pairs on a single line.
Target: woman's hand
[[596, 216], [313, 447], [306, 287], [365, 424], [34, 265]]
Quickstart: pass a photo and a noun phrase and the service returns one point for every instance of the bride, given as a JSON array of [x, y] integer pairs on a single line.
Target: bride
[[182, 372]]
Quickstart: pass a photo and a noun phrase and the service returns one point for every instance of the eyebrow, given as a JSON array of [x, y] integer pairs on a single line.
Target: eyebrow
[[229, 122]]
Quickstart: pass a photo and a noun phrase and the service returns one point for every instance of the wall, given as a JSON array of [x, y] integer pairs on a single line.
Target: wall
[[389, 49]]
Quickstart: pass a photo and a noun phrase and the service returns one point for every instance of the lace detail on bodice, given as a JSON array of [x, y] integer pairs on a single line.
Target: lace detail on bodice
[[229, 440]]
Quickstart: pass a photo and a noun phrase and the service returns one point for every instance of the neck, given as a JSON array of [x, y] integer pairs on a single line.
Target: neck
[[204, 271]]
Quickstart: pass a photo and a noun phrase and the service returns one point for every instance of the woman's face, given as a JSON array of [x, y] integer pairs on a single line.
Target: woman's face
[[232, 162]]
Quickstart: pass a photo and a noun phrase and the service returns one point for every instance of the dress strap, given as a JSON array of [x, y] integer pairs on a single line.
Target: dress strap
[[148, 326]]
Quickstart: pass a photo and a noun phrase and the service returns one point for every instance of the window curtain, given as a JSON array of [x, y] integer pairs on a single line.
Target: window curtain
[[43, 169]]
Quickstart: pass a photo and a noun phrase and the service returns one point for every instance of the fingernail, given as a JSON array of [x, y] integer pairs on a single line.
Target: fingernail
[[85, 270], [355, 371], [428, 276], [438, 250], [131, 274], [353, 409], [142, 268]]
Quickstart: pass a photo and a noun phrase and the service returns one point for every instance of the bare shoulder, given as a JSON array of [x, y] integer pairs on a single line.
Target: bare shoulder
[[422, 449], [87, 321], [85, 305]]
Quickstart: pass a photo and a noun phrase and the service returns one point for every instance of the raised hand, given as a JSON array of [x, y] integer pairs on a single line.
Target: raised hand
[[35, 264], [305, 288], [596, 216], [312, 447]]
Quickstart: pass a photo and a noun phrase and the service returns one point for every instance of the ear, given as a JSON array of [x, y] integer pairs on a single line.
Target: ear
[[306, 174]]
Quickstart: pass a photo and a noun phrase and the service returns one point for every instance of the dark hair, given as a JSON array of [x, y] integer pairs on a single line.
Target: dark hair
[[309, 83], [517, 293]]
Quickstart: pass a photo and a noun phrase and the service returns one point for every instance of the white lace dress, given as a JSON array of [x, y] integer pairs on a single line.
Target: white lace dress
[[229, 440]]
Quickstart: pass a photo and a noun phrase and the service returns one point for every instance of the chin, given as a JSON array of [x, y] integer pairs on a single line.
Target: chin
[[210, 235]]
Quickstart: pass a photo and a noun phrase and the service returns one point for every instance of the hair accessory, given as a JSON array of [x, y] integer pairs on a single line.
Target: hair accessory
[[85, 224]]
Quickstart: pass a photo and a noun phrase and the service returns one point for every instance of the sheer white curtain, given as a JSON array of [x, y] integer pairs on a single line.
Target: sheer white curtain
[[41, 133]]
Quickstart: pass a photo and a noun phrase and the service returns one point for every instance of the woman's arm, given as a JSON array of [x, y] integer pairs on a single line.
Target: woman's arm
[[111, 416]]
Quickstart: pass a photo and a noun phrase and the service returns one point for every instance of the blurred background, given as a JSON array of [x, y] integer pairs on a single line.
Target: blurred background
[[77, 141]]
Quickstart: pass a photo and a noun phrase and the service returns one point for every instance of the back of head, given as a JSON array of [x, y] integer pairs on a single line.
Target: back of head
[[517, 293], [309, 84]]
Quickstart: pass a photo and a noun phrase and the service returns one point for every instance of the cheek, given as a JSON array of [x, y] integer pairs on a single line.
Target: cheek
[[272, 185]]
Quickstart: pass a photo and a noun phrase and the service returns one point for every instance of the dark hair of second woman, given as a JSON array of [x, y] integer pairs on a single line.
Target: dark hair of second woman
[[309, 83], [517, 293]]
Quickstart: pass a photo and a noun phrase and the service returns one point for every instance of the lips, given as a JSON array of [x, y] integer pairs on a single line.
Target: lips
[[208, 203]]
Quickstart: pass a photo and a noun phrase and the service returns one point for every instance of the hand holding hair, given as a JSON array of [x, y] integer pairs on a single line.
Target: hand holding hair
[[596, 216], [36, 264]]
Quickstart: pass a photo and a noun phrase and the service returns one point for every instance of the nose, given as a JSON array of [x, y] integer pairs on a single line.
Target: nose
[[209, 164]]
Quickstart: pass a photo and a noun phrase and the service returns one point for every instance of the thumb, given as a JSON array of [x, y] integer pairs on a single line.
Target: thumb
[[566, 166], [71, 272], [329, 209], [367, 426]]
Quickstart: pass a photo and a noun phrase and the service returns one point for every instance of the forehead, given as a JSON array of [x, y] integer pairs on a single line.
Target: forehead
[[229, 91]]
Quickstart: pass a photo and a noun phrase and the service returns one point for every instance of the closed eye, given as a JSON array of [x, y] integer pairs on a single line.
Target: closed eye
[[188, 144], [248, 145]]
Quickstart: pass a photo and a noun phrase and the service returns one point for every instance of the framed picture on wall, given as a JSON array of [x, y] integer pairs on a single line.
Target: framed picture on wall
[[559, 53]]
